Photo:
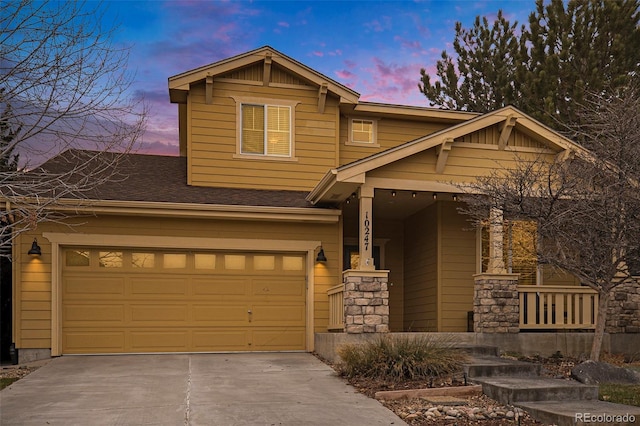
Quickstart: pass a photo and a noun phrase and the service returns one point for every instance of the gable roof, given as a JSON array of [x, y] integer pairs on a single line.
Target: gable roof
[[339, 183], [179, 84]]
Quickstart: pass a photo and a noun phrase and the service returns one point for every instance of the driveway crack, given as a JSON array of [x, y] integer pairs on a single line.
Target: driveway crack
[[187, 413]]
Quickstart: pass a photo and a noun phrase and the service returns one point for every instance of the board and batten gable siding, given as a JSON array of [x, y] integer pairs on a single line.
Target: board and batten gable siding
[[212, 138], [390, 133], [466, 161], [32, 302]]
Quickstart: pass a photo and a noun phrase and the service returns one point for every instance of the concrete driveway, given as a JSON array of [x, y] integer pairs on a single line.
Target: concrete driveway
[[200, 389]]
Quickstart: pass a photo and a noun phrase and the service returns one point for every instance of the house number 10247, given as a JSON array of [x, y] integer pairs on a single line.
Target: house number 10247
[[367, 230]]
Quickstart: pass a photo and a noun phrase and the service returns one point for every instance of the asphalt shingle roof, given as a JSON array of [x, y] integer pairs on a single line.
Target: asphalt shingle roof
[[155, 178]]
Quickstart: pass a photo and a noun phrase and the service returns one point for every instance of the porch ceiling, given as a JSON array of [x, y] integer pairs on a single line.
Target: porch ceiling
[[398, 207]]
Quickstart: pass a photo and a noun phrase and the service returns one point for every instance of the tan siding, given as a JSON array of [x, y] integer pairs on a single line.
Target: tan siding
[[491, 135], [463, 164], [213, 140], [457, 267], [391, 132], [420, 272], [33, 285]]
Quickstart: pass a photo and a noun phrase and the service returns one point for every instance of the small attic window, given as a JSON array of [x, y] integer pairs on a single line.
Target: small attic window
[[362, 132]]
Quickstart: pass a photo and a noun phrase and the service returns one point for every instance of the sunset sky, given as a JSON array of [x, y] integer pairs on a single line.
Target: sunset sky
[[375, 48]]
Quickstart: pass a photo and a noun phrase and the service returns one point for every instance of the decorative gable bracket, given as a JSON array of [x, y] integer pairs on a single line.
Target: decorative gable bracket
[[442, 152], [208, 95], [322, 97], [505, 131], [266, 76]]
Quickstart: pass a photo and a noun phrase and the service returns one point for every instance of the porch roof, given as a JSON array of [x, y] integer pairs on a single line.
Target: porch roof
[[339, 183]]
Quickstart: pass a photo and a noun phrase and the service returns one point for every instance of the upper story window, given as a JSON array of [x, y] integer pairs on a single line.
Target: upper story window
[[266, 130], [362, 132]]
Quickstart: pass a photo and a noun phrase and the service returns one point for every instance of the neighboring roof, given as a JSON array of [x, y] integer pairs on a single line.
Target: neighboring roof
[[180, 82], [339, 182], [163, 179]]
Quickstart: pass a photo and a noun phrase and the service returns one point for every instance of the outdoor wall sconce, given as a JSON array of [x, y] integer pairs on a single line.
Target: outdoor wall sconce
[[35, 248], [414, 194], [393, 193], [435, 196], [321, 258], [455, 197]]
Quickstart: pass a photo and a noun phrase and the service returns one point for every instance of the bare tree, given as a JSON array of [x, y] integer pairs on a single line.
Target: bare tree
[[64, 87], [586, 205]]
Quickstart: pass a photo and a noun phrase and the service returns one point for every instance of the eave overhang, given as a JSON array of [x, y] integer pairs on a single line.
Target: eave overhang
[[179, 84], [199, 211]]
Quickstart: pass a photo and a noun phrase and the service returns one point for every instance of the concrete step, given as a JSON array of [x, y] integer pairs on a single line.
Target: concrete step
[[511, 390], [571, 413], [487, 366], [479, 350]]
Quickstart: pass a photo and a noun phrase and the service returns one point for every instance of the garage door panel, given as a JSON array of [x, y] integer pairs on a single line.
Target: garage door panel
[[291, 288], [269, 315], [159, 287], [158, 341], [226, 314], [221, 286], [159, 314], [92, 287], [221, 340], [278, 340], [96, 341], [201, 307], [78, 315]]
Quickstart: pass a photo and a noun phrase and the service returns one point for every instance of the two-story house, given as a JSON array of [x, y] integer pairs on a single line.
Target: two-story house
[[289, 192]]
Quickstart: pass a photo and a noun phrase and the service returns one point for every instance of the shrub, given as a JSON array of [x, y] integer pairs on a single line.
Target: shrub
[[397, 358]]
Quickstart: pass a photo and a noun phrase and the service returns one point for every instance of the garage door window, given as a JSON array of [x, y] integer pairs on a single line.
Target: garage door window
[[204, 261], [77, 258], [110, 259], [264, 263], [292, 263], [143, 260], [234, 261], [175, 261]]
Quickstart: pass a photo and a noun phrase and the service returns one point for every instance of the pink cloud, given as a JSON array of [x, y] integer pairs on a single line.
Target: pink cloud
[[392, 82], [379, 25], [317, 53], [283, 24]]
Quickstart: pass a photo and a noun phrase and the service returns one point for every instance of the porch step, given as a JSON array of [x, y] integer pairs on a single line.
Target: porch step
[[479, 350], [492, 366], [570, 413], [512, 390]]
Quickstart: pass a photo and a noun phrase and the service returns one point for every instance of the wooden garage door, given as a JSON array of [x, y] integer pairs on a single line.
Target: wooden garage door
[[128, 301]]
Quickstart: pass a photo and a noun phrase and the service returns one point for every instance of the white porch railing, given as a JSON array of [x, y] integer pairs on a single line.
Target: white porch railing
[[336, 308], [557, 307]]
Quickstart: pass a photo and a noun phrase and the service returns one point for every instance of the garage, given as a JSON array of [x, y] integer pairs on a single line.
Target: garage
[[140, 301]]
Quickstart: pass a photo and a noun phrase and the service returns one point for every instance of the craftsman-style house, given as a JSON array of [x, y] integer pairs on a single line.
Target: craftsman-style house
[[293, 209]]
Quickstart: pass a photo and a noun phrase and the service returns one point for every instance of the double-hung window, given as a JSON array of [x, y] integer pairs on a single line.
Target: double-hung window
[[265, 130]]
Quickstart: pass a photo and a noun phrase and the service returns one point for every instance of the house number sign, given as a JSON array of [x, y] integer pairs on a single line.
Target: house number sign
[[367, 230]]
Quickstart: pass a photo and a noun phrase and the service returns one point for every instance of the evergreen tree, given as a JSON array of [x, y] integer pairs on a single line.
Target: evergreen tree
[[483, 77], [585, 45]]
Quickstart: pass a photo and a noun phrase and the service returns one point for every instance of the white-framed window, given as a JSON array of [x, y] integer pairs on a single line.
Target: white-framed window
[[363, 132], [265, 128]]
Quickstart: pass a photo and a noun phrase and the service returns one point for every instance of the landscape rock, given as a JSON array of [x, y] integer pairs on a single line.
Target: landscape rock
[[594, 373]]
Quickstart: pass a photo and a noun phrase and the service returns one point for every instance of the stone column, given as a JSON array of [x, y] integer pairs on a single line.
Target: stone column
[[496, 242], [366, 301], [496, 305], [623, 313]]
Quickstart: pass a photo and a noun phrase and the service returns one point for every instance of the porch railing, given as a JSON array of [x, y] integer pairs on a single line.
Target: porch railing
[[557, 307], [336, 308]]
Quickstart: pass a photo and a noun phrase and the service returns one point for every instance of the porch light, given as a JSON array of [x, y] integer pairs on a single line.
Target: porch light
[[393, 193], [35, 248], [435, 196], [321, 258], [414, 194], [455, 197]]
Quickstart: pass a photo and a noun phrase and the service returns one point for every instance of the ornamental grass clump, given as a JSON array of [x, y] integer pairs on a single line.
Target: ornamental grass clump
[[397, 358]]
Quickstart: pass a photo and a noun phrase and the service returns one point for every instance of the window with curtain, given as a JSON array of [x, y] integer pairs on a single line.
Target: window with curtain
[[266, 130]]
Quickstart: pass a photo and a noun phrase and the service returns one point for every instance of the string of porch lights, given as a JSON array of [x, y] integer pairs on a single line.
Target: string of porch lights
[[414, 194]]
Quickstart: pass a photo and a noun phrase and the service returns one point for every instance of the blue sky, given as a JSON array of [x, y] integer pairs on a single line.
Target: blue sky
[[375, 48]]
